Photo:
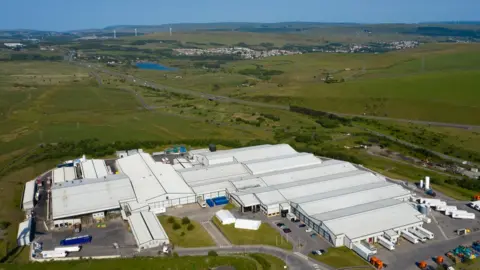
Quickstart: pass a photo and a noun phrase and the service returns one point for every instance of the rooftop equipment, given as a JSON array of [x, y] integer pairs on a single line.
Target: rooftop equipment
[[212, 147]]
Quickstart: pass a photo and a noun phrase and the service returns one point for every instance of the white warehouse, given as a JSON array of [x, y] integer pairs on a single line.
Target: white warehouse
[[339, 200]]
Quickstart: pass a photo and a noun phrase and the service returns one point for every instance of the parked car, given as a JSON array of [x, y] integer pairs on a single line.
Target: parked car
[[295, 220], [312, 235], [317, 252], [280, 224], [302, 225], [283, 227], [287, 230], [309, 230]]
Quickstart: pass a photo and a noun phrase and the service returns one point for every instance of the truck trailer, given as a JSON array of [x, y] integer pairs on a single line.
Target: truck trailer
[[362, 251], [68, 248], [426, 232], [410, 237], [50, 254], [419, 235], [385, 243], [84, 239], [463, 215]]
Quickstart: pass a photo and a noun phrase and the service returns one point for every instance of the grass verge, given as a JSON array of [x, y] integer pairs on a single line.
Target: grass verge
[[187, 262], [182, 237], [265, 235], [340, 257], [268, 262]]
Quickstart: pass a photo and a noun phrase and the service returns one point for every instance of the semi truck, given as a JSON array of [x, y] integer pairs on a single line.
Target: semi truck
[[84, 239], [410, 237], [385, 243], [68, 248]]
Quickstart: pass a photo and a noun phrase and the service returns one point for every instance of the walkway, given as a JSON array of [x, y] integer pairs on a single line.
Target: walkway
[[216, 235]]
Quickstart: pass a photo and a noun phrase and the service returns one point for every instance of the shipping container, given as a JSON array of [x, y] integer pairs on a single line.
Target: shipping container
[[68, 248], [210, 202], [385, 243], [410, 237], [84, 239]]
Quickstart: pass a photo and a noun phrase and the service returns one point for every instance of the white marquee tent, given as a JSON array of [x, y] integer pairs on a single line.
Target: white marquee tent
[[225, 217], [247, 224]]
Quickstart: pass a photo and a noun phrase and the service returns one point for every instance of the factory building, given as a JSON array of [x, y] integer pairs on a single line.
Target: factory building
[[147, 230], [28, 200], [341, 201]]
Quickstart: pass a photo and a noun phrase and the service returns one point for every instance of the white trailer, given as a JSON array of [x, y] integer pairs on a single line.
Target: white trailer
[[385, 243], [391, 236], [410, 237], [426, 219], [420, 236], [450, 209], [428, 233], [49, 254], [363, 251], [463, 215], [68, 248], [441, 208]]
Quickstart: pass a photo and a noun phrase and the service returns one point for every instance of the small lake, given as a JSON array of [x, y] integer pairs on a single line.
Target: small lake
[[153, 66]]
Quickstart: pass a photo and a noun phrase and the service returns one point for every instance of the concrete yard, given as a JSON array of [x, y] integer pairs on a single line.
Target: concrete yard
[[102, 243]]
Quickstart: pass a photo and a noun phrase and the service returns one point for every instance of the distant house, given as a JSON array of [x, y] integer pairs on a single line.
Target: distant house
[[13, 45]]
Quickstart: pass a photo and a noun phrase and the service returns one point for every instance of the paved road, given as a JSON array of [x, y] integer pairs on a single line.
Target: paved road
[[216, 235], [293, 261]]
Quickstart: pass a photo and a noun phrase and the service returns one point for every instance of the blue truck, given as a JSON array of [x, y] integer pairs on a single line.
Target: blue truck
[[84, 239]]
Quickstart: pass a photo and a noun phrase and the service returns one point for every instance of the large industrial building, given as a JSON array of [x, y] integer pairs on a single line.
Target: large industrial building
[[340, 201]]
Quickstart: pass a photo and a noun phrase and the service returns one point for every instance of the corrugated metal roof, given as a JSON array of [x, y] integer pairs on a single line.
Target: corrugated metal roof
[[213, 172], [91, 197], [270, 197], [376, 221], [146, 227], [29, 192], [250, 153], [63, 174], [93, 168], [248, 199], [329, 167], [279, 163], [327, 183], [248, 183], [214, 187], [349, 197], [358, 209]]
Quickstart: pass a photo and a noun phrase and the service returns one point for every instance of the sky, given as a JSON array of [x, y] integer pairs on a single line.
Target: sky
[[64, 15]]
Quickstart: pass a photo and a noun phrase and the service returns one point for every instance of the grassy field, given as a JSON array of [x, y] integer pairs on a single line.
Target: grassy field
[[194, 262], [265, 235], [339, 258], [268, 262], [197, 237]]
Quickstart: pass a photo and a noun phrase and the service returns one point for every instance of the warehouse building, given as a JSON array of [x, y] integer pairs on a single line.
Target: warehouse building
[[147, 230], [28, 200], [25, 234], [340, 201]]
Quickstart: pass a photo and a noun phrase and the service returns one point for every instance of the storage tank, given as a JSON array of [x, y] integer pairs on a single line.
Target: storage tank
[[421, 183], [427, 182], [422, 208]]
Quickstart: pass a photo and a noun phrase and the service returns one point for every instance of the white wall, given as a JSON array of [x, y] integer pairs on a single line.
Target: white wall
[[272, 209], [338, 240]]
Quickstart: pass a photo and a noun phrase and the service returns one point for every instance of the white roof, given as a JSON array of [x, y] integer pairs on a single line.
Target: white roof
[[151, 179], [282, 163], [247, 199], [249, 183], [24, 228], [225, 217], [146, 227], [204, 174], [251, 153], [213, 187], [94, 168], [375, 221], [85, 198], [63, 174], [29, 192], [271, 197], [328, 183], [247, 224], [328, 167], [357, 209], [349, 197]]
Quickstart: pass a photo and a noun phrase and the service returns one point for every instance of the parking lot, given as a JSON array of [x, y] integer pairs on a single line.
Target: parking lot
[[103, 239]]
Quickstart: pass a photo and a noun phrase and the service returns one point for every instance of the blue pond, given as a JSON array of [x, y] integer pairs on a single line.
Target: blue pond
[[153, 66]]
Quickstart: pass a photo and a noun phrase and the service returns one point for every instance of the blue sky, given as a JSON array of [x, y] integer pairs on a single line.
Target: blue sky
[[63, 15]]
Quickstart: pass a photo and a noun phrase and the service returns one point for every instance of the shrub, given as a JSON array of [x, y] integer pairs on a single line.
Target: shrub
[[4, 225], [185, 220], [190, 227], [175, 254], [212, 253], [182, 234], [176, 226]]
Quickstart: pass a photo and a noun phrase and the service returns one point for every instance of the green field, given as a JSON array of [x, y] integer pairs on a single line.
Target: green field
[[265, 235], [340, 258], [182, 237], [195, 262]]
